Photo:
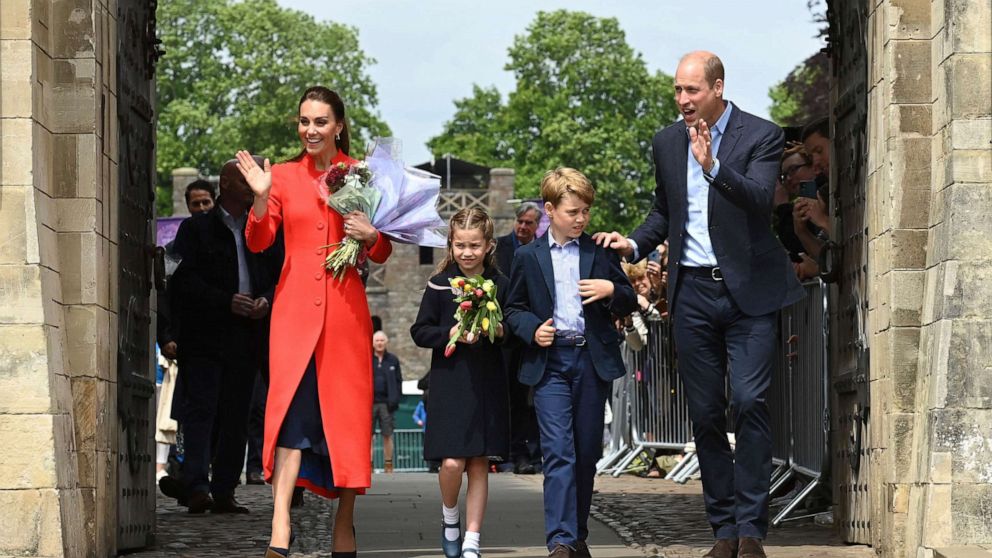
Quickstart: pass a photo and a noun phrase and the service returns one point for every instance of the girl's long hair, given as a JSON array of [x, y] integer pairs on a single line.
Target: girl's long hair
[[331, 98], [468, 219]]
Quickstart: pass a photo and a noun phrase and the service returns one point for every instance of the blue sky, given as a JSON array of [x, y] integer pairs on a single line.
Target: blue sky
[[430, 52]]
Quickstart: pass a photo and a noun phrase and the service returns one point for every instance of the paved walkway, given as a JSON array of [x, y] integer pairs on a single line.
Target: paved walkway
[[400, 516]]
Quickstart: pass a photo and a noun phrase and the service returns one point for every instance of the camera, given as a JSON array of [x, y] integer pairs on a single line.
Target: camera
[[807, 189]]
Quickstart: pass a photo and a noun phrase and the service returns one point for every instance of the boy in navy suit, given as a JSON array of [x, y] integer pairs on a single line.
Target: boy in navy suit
[[564, 292]]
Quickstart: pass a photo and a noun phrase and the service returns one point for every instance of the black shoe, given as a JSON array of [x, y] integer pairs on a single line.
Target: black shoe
[[523, 467], [254, 477], [227, 504], [199, 502], [173, 488], [582, 550]]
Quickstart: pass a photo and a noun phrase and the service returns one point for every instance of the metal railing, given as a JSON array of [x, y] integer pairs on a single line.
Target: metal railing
[[408, 451], [805, 377], [649, 408]]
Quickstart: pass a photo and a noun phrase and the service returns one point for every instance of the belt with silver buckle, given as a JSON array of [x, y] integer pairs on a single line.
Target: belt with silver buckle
[[713, 273], [569, 341]]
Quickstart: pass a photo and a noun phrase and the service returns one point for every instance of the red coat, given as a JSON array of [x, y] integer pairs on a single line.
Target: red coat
[[315, 314]]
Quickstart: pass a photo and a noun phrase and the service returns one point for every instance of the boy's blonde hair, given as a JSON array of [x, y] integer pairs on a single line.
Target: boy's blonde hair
[[564, 180]]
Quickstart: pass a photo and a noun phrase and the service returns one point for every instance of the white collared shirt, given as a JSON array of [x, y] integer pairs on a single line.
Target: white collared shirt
[[237, 228]]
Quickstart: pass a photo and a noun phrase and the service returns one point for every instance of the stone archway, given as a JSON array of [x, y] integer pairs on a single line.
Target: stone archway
[[70, 210]]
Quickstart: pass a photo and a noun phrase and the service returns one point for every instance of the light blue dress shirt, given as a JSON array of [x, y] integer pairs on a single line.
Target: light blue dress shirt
[[697, 249], [568, 316]]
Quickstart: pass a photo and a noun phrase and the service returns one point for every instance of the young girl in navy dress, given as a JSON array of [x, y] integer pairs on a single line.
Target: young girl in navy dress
[[468, 401]]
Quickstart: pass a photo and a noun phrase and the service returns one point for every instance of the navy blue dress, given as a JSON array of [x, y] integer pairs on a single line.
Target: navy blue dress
[[302, 429], [468, 401]]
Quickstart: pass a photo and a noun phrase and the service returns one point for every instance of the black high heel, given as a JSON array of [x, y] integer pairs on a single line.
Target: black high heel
[[271, 552], [351, 554]]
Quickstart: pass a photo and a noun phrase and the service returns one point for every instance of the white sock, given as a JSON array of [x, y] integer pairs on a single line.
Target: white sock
[[471, 540], [450, 516]]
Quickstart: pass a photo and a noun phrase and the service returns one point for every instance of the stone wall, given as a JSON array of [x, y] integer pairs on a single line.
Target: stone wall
[[57, 278], [929, 199]]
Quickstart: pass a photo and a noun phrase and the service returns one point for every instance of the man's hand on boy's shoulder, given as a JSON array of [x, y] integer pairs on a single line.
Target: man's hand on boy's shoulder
[[614, 241], [592, 290]]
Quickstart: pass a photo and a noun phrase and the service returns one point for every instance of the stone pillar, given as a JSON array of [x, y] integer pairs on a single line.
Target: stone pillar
[[929, 189], [951, 500], [501, 189], [181, 178], [58, 177]]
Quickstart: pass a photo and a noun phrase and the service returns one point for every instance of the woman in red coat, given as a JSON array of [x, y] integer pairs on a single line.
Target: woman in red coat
[[318, 420]]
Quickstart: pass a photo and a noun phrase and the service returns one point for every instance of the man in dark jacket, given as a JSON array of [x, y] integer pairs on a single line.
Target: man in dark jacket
[[387, 380], [223, 293], [525, 438]]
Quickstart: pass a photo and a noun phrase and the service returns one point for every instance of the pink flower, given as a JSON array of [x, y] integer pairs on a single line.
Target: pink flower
[[479, 293], [467, 305], [449, 350]]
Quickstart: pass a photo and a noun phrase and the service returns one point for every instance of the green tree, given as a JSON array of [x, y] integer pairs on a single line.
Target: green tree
[[583, 99], [233, 73], [804, 95]]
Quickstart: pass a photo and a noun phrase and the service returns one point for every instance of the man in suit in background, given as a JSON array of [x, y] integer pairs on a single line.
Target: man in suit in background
[[729, 276], [222, 293], [525, 439]]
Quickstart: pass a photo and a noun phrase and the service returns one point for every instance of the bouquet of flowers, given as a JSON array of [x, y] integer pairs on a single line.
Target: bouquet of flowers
[[349, 190], [478, 310], [400, 202]]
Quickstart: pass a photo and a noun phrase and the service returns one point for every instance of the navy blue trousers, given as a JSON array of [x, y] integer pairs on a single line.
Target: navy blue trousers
[[711, 333], [217, 396], [570, 401]]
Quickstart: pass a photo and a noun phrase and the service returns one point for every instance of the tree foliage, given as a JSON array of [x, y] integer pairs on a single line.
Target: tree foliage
[[583, 99], [804, 95], [233, 73]]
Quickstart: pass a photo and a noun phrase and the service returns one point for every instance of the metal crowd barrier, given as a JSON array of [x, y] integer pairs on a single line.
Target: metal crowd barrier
[[408, 451], [650, 410], [803, 379]]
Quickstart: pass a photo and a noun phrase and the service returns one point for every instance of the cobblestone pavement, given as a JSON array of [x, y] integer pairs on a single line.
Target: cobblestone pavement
[[663, 518], [397, 519]]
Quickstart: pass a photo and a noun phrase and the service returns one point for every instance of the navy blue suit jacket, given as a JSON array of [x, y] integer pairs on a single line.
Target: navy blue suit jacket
[[755, 266], [531, 302]]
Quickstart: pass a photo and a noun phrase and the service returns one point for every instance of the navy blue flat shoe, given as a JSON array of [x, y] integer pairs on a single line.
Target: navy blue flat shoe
[[452, 549]]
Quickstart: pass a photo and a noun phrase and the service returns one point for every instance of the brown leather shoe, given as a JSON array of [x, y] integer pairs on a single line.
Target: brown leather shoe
[[582, 550], [724, 548], [228, 504], [199, 502], [751, 548], [562, 551]]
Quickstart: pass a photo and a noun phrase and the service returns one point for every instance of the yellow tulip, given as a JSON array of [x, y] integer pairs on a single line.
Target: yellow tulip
[[485, 324], [491, 306]]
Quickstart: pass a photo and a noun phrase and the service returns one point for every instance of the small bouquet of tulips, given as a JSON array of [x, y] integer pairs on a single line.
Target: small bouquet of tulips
[[478, 310]]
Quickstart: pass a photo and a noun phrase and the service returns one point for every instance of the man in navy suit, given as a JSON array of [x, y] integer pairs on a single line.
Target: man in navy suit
[[564, 292], [525, 449], [715, 174]]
